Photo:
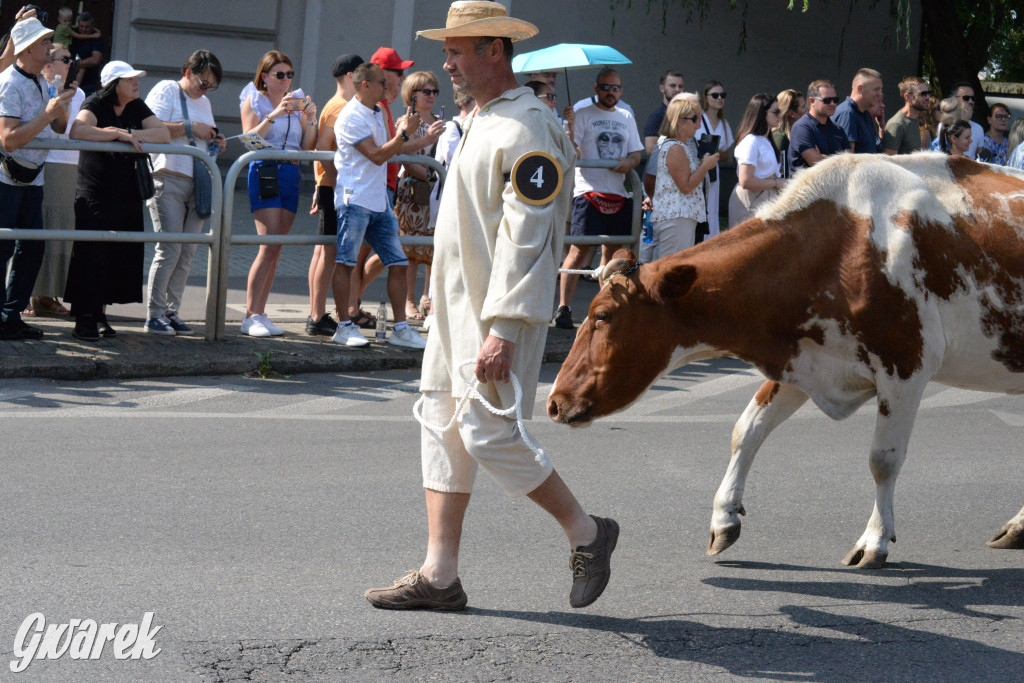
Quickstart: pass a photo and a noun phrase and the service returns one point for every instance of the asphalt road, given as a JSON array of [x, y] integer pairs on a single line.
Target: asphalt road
[[250, 515]]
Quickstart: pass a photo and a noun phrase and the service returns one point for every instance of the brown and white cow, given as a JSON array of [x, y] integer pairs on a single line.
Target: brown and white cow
[[869, 276]]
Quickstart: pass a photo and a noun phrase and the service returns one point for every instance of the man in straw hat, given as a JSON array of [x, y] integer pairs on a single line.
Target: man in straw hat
[[26, 114], [496, 250]]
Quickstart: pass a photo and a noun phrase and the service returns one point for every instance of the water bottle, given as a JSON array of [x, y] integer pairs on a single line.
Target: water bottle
[[648, 227], [382, 322], [57, 86]]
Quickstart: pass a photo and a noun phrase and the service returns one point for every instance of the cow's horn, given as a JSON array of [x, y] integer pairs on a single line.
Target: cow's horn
[[615, 266]]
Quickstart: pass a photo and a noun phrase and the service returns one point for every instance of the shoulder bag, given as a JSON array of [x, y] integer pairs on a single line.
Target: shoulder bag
[[202, 182]]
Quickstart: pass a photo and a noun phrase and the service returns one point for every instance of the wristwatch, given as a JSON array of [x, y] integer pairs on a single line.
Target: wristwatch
[[405, 136]]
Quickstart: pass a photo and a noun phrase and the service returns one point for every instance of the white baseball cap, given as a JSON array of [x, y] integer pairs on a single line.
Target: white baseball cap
[[116, 69], [26, 32]]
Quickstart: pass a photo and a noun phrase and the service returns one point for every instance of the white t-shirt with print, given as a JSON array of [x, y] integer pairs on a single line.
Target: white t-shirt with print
[[360, 181], [165, 102], [603, 134], [757, 151]]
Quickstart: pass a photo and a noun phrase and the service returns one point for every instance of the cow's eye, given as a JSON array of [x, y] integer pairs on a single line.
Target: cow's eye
[[602, 316]]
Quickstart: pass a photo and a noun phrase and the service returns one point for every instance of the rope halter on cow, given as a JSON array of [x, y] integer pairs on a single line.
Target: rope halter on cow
[[471, 393]]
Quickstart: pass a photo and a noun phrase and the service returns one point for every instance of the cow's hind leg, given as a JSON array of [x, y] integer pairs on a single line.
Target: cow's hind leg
[[1011, 536], [771, 405], [897, 408]]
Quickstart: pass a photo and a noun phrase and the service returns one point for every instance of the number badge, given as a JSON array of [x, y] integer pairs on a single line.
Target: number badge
[[536, 178]]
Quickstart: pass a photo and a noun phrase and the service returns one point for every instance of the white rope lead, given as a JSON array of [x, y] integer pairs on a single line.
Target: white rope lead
[[471, 392], [594, 273]]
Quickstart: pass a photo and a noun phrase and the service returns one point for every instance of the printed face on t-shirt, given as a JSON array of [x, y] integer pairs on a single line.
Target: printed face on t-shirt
[[611, 145]]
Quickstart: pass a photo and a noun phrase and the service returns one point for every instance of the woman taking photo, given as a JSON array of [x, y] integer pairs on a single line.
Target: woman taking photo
[[713, 123], [287, 123], [757, 160], [412, 200], [678, 197], [108, 198], [792, 105], [58, 197]]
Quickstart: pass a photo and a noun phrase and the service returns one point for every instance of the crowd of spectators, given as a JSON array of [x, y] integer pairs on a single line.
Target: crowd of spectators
[[365, 201]]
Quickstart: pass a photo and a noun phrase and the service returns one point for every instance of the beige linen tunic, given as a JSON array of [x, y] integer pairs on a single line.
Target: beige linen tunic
[[496, 256]]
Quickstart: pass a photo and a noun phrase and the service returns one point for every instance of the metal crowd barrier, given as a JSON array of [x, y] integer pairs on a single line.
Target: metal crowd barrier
[[208, 238], [220, 237], [227, 238]]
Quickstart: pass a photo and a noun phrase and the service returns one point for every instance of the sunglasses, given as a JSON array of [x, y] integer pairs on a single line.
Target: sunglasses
[[967, 98], [430, 92], [924, 93], [206, 87], [827, 100], [691, 119], [606, 87], [66, 59], [281, 75], [717, 95], [550, 97]]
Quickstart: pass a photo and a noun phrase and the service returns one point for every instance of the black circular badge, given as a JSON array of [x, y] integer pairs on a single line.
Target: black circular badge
[[536, 178]]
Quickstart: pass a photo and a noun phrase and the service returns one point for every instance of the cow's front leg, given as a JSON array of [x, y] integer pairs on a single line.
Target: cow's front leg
[[771, 405], [1011, 536], [896, 412]]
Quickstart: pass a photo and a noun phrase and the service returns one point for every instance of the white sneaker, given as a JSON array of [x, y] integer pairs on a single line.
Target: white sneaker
[[254, 327], [428, 322], [349, 335], [407, 337], [275, 331]]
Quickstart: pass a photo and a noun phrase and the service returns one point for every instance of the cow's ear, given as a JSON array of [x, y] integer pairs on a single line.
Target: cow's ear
[[674, 283]]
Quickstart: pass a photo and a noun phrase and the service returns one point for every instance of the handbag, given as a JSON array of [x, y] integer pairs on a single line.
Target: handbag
[[21, 172], [143, 176], [419, 191], [202, 181]]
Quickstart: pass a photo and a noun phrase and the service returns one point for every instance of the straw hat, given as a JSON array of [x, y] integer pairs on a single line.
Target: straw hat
[[480, 19]]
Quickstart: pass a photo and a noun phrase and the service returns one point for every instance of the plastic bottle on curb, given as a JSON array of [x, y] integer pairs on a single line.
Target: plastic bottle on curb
[[382, 322], [648, 228]]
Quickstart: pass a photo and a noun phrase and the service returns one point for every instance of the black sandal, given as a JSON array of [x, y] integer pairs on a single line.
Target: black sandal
[[364, 320]]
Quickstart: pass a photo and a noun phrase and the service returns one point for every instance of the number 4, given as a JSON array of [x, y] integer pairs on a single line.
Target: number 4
[[538, 177]]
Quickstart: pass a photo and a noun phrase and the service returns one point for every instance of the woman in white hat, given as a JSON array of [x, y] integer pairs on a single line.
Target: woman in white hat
[[108, 198]]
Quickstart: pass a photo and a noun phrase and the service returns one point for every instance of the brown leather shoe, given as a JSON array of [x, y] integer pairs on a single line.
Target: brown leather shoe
[[591, 564], [413, 591]]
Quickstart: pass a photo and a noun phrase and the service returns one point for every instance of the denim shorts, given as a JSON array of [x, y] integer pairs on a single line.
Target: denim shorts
[[378, 228], [288, 177]]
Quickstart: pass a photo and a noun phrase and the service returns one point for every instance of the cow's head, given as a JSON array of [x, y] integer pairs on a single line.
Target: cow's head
[[627, 341]]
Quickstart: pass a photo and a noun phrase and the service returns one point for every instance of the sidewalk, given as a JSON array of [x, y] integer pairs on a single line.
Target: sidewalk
[[133, 353]]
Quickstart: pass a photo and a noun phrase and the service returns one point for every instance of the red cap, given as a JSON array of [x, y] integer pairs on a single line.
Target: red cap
[[387, 58]]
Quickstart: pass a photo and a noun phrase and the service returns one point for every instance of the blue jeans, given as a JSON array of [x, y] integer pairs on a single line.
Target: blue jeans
[[378, 228], [21, 207]]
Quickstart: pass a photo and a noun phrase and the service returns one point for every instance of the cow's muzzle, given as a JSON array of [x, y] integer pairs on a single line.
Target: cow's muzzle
[[573, 413]]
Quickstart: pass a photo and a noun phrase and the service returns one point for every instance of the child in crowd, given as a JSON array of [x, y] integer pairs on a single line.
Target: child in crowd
[[65, 32]]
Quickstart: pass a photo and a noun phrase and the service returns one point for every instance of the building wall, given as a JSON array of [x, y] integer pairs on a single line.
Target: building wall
[[783, 48]]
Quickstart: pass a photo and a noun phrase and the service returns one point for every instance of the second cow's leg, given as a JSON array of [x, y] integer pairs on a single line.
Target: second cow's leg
[[771, 406], [1011, 535]]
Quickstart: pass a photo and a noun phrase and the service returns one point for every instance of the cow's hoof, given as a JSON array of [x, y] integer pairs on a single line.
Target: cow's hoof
[[723, 539], [1010, 537], [865, 559]]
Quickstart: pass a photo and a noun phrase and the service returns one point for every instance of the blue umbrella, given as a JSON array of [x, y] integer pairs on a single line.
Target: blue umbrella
[[567, 56]]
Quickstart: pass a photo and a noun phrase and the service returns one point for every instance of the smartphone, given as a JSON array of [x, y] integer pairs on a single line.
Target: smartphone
[[442, 112], [299, 104], [69, 82], [414, 103], [43, 17]]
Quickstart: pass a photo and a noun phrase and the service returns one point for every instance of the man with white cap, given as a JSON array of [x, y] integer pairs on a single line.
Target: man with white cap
[[496, 250], [26, 113]]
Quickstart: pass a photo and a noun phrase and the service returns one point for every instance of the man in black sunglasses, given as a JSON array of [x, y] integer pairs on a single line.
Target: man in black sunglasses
[[902, 132], [814, 135], [854, 114]]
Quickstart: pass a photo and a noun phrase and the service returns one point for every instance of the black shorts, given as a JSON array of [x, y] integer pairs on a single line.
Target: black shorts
[[586, 220], [328, 216]]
